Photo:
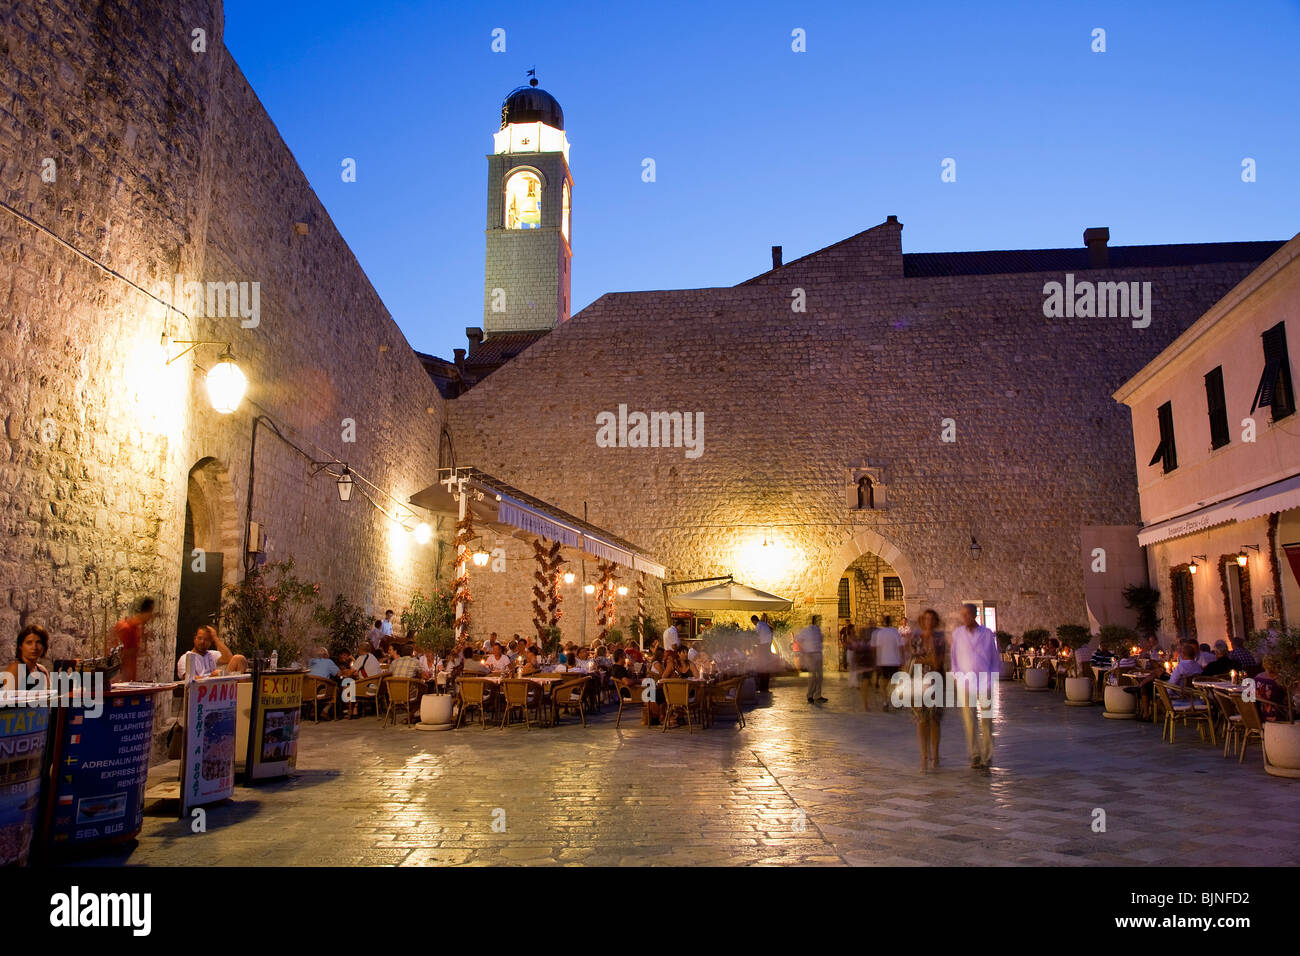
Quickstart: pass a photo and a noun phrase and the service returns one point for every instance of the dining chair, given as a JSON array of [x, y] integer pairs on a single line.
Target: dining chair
[[518, 694], [679, 696], [725, 693], [473, 692], [1203, 699], [1232, 728], [1177, 706], [403, 695], [366, 691], [627, 697], [318, 691], [569, 695], [1252, 726]]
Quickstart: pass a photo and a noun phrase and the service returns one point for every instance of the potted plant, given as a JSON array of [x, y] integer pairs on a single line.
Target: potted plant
[[1144, 600], [268, 612], [345, 625], [427, 620], [1038, 676], [1281, 736], [1004, 639], [1078, 689], [1118, 639]]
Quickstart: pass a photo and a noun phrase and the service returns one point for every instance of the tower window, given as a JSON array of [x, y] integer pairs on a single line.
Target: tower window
[[564, 213], [523, 200]]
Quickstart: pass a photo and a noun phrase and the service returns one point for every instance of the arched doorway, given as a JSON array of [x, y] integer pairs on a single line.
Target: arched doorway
[[210, 552], [885, 571]]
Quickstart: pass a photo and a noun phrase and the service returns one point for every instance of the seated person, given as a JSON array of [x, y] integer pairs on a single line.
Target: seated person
[[1269, 693], [406, 665], [366, 664], [1204, 656], [1102, 657], [497, 662], [25, 669], [583, 663], [618, 671], [473, 666], [1186, 668], [322, 666], [531, 664], [209, 653], [1222, 663]]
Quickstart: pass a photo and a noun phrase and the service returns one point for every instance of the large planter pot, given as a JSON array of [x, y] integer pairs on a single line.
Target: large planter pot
[[435, 712], [1282, 750], [1008, 670], [1119, 705], [1036, 678], [1078, 691]]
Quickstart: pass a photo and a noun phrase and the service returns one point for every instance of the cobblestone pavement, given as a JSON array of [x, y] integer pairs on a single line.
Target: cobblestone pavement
[[801, 784]]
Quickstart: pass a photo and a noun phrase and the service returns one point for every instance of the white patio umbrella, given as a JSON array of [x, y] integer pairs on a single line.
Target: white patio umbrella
[[729, 596]]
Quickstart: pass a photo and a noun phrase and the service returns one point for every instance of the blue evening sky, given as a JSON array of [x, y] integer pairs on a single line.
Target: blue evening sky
[[756, 145]]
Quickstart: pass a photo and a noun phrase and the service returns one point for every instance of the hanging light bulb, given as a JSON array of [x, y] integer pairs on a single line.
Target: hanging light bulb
[[481, 557], [423, 533], [622, 590], [568, 577], [589, 588], [226, 384]]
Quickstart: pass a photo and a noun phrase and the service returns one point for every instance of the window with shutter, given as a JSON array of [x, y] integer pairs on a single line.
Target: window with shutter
[[845, 609], [1218, 408], [1165, 451], [1274, 388]]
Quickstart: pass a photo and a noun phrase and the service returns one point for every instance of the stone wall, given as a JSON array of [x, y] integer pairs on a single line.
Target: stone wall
[[792, 403], [166, 163]]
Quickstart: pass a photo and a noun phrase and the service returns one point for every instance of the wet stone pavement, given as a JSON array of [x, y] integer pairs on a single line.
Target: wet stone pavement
[[800, 784]]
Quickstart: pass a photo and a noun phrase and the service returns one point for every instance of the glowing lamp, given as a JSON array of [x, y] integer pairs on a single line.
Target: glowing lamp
[[589, 588], [227, 384], [622, 590], [423, 533], [568, 577], [481, 558], [345, 485]]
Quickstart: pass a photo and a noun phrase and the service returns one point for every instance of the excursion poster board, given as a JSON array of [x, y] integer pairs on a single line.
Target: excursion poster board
[[273, 745], [24, 728], [208, 767], [100, 767]]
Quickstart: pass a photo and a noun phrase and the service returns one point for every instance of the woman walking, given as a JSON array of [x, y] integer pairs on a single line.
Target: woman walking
[[928, 650]]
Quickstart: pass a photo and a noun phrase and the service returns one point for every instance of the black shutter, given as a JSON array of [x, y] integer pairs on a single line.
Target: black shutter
[[1218, 408], [1274, 388], [1167, 451]]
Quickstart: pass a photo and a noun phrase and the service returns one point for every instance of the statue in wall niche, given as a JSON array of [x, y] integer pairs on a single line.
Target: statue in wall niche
[[866, 493]]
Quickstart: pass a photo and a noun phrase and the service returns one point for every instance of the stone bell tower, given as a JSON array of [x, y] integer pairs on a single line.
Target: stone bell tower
[[526, 282]]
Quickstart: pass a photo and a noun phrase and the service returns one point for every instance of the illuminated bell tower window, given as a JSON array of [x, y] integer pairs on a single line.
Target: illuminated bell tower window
[[523, 200], [564, 213]]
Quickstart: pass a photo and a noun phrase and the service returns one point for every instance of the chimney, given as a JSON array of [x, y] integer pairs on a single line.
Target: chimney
[[1095, 239], [776, 257], [458, 357], [475, 336]]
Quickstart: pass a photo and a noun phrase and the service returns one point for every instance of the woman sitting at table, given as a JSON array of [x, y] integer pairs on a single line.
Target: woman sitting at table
[[686, 667], [1222, 664], [530, 665], [1270, 694], [28, 674]]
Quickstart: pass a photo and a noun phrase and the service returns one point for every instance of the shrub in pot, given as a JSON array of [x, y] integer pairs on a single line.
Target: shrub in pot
[[1280, 650]]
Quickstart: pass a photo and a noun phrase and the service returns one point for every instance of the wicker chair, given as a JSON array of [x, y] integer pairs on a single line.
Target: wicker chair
[[681, 695], [725, 694], [1174, 704], [404, 694], [1252, 726], [318, 692], [518, 695], [570, 695], [627, 697], [473, 692], [366, 691]]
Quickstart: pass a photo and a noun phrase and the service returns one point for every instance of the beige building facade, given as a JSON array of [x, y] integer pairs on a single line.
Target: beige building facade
[[1217, 443]]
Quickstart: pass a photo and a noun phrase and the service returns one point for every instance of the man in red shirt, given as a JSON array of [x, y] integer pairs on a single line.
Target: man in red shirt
[[129, 633]]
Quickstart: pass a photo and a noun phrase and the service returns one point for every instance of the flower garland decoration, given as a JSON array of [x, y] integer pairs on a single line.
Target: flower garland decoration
[[605, 599], [461, 599], [546, 592]]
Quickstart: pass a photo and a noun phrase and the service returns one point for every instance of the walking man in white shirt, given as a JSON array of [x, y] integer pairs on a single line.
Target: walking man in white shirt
[[809, 641], [976, 668], [671, 640], [888, 644]]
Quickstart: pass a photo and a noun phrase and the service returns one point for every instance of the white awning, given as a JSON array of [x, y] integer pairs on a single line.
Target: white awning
[[1219, 513], [1279, 496]]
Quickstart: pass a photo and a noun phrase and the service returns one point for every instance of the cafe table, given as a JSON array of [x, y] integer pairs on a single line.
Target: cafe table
[[544, 681]]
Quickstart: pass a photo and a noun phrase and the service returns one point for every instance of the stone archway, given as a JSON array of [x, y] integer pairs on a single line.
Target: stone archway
[[866, 542], [209, 559]]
